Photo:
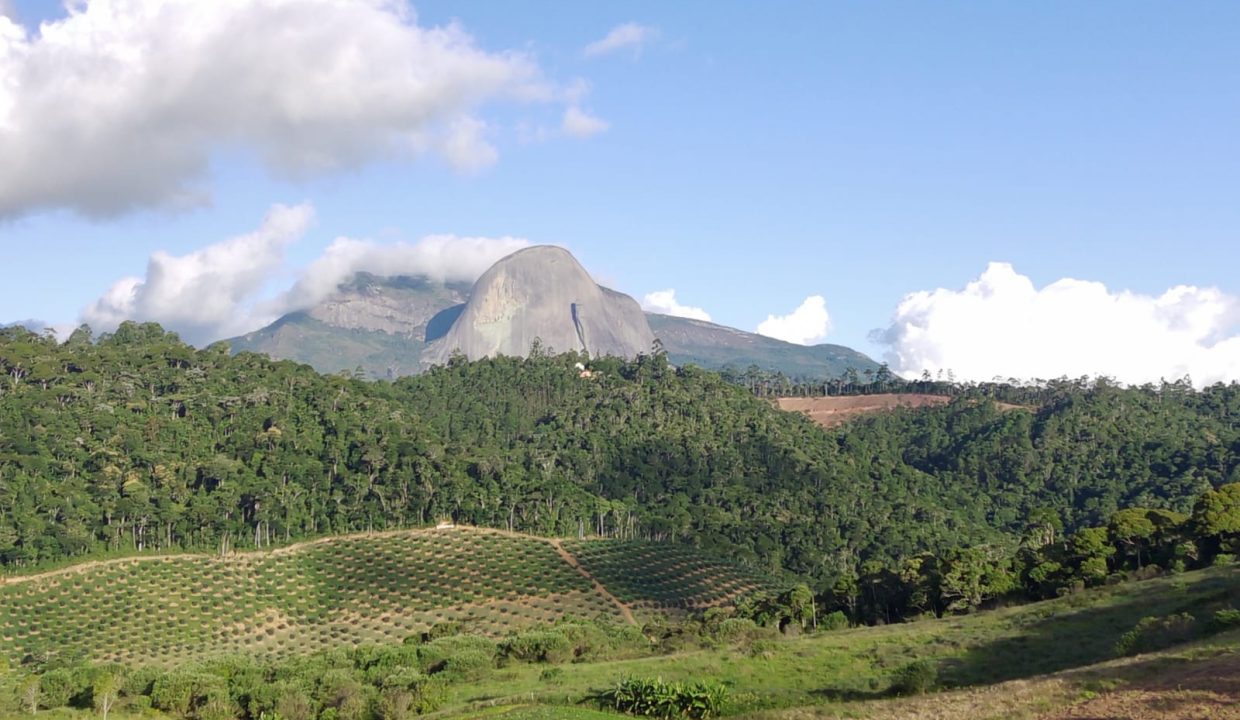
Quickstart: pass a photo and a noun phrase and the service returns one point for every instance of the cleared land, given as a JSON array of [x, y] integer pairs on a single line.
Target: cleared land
[[379, 588], [832, 411]]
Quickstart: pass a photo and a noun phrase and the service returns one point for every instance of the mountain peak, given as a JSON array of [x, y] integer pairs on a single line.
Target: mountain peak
[[542, 293]]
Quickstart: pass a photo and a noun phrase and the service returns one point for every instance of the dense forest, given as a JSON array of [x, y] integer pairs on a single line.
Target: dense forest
[[136, 441]]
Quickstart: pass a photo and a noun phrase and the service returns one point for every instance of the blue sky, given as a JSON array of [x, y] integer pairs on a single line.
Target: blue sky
[[759, 154]]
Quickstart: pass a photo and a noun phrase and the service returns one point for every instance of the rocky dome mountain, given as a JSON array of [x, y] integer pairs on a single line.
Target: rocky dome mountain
[[543, 294], [393, 326]]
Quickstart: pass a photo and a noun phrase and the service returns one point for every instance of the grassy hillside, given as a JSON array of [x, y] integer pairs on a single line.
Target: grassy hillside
[[850, 673], [379, 588]]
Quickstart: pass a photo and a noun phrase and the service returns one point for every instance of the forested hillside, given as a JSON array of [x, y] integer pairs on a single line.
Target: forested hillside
[[137, 441]]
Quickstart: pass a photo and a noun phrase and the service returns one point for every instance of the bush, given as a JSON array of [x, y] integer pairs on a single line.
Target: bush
[[1155, 633], [735, 630], [916, 678], [468, 664], [834, 621], [58, 687], [549, 646], [1225, 620], [434, 656], [656, 698]]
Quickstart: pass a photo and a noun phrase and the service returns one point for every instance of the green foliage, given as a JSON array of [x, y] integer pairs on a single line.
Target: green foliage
[[657, 698], [915, 678], [1225, 619], [834, 621], [1156, 633]]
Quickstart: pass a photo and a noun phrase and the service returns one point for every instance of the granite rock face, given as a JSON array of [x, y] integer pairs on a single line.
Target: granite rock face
[[542, 293]]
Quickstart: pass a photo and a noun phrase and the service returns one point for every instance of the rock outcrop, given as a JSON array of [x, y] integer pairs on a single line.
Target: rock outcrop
[[542, 293]]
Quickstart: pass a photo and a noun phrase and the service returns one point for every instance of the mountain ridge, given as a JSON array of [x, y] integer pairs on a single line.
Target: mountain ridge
[[363, 324]]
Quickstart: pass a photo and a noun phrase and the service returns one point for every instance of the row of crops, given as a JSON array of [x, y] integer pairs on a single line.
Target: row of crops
[[350, 591], [665, 577], [347, 591]]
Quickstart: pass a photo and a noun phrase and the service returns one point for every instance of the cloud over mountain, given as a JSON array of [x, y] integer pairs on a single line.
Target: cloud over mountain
[[206, 294], [119, 105], [223, 290], [806, 325], [664, 302], [1001, 324], [444, 258]]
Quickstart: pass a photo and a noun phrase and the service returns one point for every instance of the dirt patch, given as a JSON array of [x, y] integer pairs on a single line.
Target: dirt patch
[[1171, 690], [833, 411]]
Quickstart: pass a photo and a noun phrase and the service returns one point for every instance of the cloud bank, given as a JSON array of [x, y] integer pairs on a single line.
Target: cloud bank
[[204, 295], [218, 291], [807, 325], [444, 258], [664, 302], [119, 105], [1002, 325], [627, 36]]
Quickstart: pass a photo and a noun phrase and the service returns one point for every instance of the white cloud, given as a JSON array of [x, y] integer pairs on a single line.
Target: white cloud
[[1000, 324], [120, 104], [580, 124], [664, 302], [208, 293], [628, 35], [443, 258], [806, 325]]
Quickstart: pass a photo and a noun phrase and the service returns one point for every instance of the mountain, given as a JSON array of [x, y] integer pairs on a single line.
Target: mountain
[[396, 326], [542, 293], [714, 346], [381, 325]]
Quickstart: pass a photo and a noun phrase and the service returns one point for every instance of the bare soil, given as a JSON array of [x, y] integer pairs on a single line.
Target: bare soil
[[833, 411]]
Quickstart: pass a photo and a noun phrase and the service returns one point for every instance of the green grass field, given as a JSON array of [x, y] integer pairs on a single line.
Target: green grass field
[[848, 673], [377, 588]]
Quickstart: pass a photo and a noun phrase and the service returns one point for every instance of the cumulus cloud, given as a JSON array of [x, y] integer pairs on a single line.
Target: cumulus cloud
[[119, 105], [444, 258], [207, 294], [222, 290], [806, 325], [1002, 325], [629, 35], [581, 124], [665, 303]]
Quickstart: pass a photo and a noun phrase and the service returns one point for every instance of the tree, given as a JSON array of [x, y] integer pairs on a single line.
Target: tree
[[29, 691], [104, 692]]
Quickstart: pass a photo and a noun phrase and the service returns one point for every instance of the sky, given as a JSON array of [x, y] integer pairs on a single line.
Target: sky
[[1024, 190]]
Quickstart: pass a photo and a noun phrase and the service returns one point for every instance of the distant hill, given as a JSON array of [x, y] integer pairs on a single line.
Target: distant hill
[[715, 346], [391, 327]]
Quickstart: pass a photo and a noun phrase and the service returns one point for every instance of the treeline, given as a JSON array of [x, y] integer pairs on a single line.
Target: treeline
[[135, 441], [1135, 543], [851, 382]]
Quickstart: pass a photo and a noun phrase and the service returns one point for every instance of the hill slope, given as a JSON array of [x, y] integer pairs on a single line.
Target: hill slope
[[377, 588], [715, 347]]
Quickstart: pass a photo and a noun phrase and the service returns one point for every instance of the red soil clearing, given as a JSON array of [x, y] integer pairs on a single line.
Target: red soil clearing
[[832, 411]]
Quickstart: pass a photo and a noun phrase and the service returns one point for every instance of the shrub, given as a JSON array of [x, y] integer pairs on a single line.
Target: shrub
[[433, 657], [1225, 620], [660, 699], [550, 646], [1155, 633], [735, 629], [59, 686], [834, 621], [916, 678]]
